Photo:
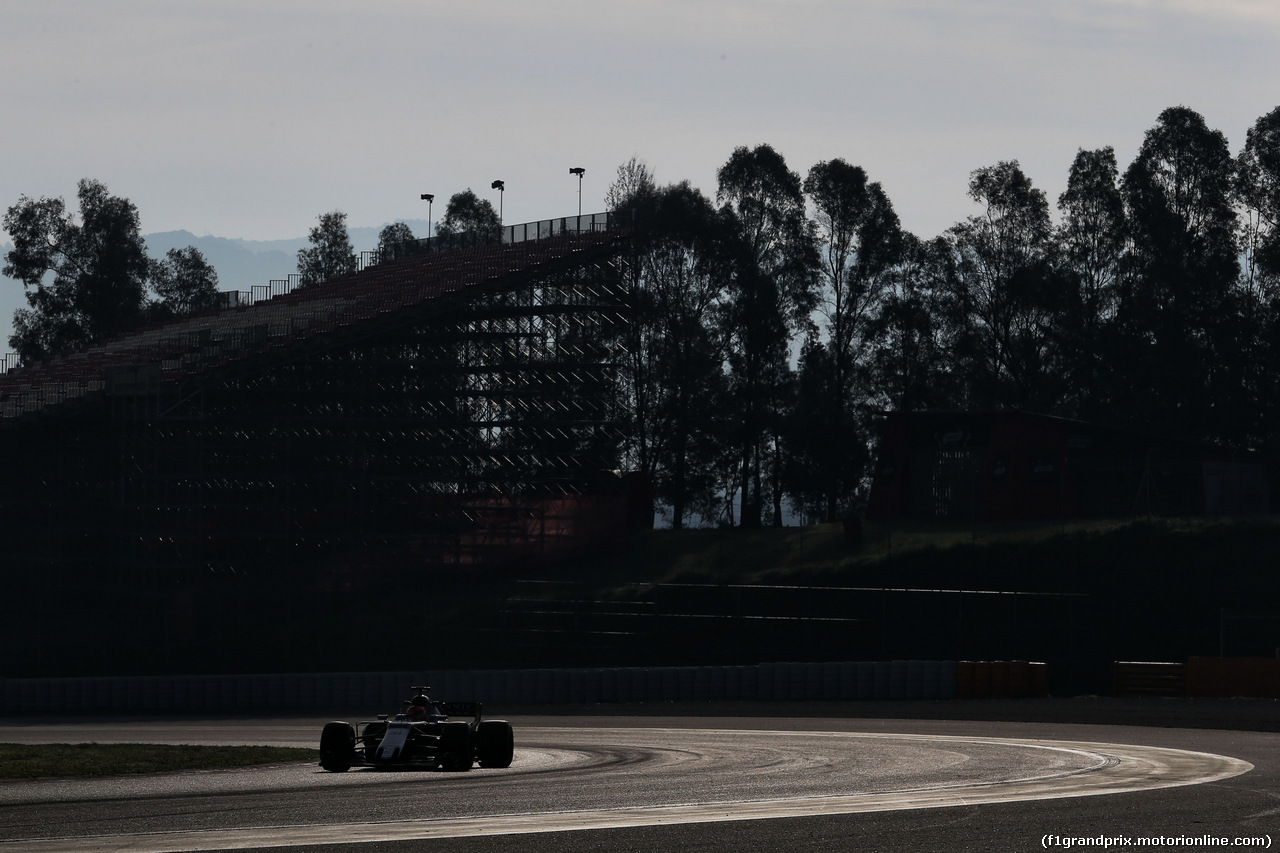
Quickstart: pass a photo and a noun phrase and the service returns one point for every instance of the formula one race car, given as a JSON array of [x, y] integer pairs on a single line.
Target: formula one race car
[[424, 735]]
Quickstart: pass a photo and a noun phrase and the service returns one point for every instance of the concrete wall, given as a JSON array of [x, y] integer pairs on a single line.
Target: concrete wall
[[1257, 678], [1216, 678], [383, 692]]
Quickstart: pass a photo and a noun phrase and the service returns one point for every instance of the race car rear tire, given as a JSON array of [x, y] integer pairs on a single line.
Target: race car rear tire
[[337, 746], [456, 752], [495, 743]]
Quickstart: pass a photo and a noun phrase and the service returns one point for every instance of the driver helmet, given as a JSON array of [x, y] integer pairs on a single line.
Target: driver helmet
[[419, 707]]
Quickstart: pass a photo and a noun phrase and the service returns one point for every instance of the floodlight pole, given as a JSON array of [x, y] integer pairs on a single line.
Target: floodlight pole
[[579, 171], [501, 187], [428, 198]]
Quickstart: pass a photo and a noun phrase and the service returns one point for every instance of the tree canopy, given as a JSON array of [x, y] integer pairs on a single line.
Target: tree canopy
[[1257, 194], [393, 241], [185, 282], [1151, 302], [89, 278], [674, 349], [331, 253], [467, 213], [633, 182]]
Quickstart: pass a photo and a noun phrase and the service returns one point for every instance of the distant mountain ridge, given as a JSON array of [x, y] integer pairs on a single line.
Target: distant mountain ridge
[[239, 267], [243, 263]]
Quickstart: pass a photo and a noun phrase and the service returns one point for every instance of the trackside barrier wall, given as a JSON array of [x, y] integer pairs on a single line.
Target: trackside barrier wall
[[1148, 678], [1220, 678], [384, 691], [1257, 678]]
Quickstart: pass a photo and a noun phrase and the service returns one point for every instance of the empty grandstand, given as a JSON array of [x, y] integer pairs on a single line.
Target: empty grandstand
[[315, 456]]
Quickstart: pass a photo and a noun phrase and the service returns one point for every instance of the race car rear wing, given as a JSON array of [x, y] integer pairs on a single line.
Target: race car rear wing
[[462, 709]]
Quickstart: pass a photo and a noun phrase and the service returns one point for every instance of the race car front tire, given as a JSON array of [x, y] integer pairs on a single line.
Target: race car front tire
[[495, 743], [455, 746], [337, 746]]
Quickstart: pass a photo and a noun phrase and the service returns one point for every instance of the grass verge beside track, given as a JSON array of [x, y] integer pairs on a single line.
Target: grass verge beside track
[[32, 761]]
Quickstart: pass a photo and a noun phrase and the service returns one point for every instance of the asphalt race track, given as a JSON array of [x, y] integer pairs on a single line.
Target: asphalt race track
[[613, 783]]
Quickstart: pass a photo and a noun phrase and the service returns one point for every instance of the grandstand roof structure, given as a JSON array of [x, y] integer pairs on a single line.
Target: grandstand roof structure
[[395, 292]]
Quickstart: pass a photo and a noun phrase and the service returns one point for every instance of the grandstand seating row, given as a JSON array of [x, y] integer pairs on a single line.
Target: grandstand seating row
[[207, 340]]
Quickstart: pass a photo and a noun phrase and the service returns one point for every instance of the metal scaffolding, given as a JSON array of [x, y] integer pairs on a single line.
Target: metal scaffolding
[[449, 410]]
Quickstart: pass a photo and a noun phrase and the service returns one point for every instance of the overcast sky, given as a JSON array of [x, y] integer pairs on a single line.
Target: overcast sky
[[247, 118]]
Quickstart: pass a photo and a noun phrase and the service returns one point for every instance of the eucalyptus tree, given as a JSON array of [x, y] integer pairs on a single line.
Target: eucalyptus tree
[[1008, 293], [1093, 243], [1178, 194], [1093, 234], [826, 456], [913, 331], [330, 254], [1177, 313], [771, 295], [1257, 197], [1257, 194], [85, 280], [677, 384], [859, 240], [633, 181]]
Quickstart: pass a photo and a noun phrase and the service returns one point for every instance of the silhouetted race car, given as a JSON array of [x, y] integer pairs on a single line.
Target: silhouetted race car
[[425, 735]]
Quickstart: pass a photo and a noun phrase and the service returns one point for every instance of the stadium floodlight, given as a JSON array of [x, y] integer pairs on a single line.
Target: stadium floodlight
[[501, 187], [579, 171], [428, 198]]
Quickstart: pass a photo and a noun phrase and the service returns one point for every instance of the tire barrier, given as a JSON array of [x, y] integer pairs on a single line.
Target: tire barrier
[[768, 682]]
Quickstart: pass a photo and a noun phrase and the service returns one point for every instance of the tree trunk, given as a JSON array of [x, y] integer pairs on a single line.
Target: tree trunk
[[777, 482]]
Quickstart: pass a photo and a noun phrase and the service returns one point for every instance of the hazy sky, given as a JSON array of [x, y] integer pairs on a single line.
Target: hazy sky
[[247, 118]]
